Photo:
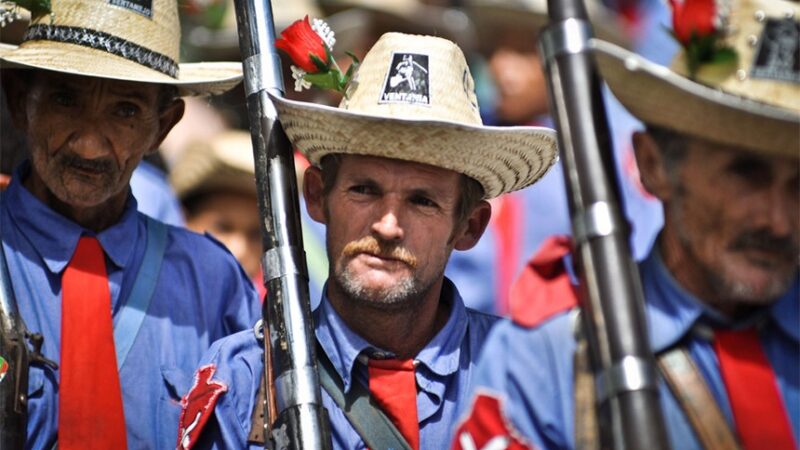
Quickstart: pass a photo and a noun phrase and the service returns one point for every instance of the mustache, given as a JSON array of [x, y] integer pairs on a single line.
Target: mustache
[[382, 249], [763, 240], [102, 165]]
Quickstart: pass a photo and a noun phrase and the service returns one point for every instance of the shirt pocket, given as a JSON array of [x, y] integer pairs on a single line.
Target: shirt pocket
[[175, 384]]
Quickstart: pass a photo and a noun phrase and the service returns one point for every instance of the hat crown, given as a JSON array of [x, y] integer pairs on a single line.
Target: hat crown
[[150, 26], [416, 78]]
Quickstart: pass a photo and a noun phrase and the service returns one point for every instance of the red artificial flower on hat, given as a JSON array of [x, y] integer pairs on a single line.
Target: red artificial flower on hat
[[302, 43], [699, 26], [309, 46], [692, 18]]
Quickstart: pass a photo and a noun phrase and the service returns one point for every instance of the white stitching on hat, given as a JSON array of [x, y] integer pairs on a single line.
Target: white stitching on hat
[[99, 40]]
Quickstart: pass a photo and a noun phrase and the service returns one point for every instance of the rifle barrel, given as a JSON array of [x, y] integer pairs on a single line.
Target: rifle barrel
[[611, 293], [302, 420]]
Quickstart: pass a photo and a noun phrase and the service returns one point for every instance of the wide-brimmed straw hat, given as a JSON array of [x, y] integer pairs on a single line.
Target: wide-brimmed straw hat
[[526, 18], [224, 163], [413, 99], [118, 39], [754, 104]]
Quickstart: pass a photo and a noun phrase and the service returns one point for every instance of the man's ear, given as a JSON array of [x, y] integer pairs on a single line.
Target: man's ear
[[312, 191], [650, 161], [14, 90], [474, 226], [167, 119]]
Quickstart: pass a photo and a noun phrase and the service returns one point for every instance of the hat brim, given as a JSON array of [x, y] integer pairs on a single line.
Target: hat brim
[[501, 159], [657, 95], [194, 79]]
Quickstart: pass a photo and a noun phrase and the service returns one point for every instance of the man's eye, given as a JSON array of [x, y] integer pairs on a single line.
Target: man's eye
[[424, 201], [362, 189], [63, 99], [127, 110], [753, 170]]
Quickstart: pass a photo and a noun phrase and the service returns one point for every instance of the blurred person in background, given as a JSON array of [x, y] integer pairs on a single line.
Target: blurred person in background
[[516, 91]]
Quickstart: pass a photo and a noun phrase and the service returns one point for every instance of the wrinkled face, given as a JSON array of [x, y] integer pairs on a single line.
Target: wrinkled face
[[736, 218], [390, 229], [232, 218], [520, 82], [88, 134]]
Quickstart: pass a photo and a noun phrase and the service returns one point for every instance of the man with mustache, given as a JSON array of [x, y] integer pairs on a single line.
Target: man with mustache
[[721, 286], [126, 304], [400, 178]]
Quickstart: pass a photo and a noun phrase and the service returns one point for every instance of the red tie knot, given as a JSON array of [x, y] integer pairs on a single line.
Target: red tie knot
[[392, 364]]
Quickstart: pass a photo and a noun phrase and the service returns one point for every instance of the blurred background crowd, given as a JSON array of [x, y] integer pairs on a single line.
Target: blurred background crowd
[[203, 176]]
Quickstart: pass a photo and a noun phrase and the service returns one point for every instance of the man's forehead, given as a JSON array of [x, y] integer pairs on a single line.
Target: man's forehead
[[81, 83], [706, 149], [358, 163]]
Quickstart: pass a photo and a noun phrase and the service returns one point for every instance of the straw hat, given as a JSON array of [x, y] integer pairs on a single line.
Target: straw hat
[[118, 39], [413, 98], [755, 105], [528, 17], [225, 163]]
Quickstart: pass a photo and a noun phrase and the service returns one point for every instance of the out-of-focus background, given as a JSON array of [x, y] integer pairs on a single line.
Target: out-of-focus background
[[203, 177]]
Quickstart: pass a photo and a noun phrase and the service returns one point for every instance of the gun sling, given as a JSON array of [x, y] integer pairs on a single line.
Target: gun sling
[[686, 384], [363, 413]]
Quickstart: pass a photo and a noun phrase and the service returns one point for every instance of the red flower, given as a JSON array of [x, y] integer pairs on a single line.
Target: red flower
[[300, 41], [692, 18]]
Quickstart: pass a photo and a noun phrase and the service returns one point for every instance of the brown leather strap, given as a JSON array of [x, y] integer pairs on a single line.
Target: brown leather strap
[[257, 426], [696, 400], [586, 432]]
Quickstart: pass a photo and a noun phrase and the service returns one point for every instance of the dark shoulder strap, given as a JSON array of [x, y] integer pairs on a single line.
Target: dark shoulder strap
[[377, 431], [696, 400]]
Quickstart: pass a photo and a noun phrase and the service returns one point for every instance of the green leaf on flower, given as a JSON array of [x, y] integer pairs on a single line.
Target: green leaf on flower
[[353, 57], [327, 80], [321, 65]]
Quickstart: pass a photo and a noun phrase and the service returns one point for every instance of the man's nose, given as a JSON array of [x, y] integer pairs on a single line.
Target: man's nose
[[783, 212], [387, 226], [89, 140]]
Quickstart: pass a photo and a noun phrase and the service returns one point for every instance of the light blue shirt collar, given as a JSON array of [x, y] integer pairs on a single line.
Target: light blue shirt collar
[[54, 237], [673, 311], [440, 356]]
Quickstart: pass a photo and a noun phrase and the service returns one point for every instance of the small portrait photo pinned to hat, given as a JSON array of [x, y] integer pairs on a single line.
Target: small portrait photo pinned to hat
[[407, 80]]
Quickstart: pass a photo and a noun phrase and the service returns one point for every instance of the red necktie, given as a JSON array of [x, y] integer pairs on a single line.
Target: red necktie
[[761, 419], [394, 386], [90, 401]]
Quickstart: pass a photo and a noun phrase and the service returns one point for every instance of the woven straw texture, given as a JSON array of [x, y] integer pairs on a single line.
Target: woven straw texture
[[446, 133], [760, 115], [157, 35]]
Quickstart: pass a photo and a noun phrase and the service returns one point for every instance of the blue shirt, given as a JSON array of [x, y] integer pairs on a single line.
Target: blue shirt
[[201, 295], [533, 380], [443, 375]]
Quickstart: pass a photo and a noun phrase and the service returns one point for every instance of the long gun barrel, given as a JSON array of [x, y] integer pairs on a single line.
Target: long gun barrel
[[301, 421], [13, 367], [611, 293]]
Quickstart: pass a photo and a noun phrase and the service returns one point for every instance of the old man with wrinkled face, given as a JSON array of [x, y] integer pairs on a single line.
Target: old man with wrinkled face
[[125, 304]]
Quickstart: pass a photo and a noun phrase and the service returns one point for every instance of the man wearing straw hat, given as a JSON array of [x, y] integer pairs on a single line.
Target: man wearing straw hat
[[721, 284], [126, 304], [400, 178]]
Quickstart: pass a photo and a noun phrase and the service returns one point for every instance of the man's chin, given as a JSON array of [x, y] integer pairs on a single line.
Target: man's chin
[[757, 286]]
